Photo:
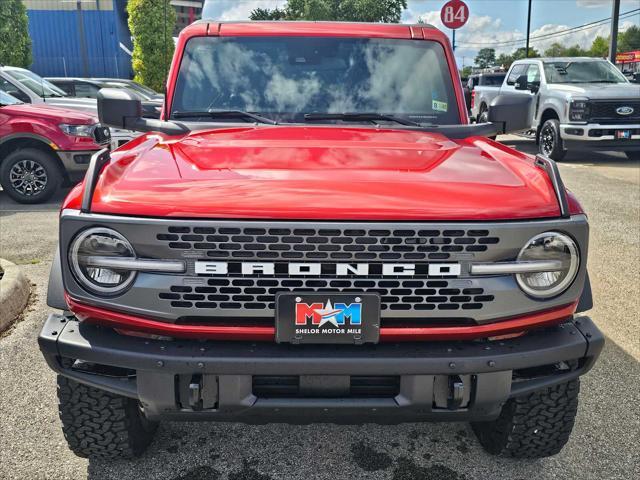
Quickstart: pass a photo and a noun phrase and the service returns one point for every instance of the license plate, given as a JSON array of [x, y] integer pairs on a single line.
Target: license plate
[[327, 318], [623, 134]]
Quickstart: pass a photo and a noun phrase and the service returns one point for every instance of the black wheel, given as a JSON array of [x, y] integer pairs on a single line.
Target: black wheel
[[101, 424], [633, 155], [550, 142], [483, 117], [532, 426], [30, 175]]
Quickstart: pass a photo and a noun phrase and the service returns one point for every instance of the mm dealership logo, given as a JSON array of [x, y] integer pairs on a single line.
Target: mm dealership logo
[[326, 317], [624, 110]]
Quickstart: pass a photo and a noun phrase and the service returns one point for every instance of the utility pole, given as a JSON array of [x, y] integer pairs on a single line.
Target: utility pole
[[454, 40], [613, 41], [528, 29]]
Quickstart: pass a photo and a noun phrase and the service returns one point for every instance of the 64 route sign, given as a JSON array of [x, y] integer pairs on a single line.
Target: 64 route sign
[[454, 14]]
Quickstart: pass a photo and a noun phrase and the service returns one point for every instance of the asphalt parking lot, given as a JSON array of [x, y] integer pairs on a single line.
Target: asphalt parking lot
[[604, 444]]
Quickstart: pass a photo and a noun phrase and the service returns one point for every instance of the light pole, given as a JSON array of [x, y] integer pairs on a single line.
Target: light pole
[[613, 41], [528, 29]]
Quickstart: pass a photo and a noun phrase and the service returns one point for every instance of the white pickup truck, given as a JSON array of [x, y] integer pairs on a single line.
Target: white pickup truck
[[576, 103]]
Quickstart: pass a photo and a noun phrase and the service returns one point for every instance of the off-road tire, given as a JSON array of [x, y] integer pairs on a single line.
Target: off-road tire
[[550, 142], [100, 424], [633, 155], [532, 426]]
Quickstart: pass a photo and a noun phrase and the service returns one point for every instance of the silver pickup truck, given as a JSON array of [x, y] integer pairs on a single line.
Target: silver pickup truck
[[576, 103]]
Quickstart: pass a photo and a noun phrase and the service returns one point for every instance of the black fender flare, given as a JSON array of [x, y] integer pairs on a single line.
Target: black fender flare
[[55, 289], [586, 298]]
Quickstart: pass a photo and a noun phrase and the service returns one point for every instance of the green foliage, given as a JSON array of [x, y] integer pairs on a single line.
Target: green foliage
[[504, 60], [629, 39], [388, 11], [466, 71], [599, 47], [558, 50], [15, 43], [486, 57], [152, 40]]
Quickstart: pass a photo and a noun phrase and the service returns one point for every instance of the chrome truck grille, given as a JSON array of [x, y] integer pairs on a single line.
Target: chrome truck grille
[[233, 297]]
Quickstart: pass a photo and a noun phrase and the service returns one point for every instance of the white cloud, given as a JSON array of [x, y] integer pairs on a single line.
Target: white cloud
[[242, 9], [485, 31], [600, 3]]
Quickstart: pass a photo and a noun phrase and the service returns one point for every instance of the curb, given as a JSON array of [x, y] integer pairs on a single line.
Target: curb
[[14, 293]]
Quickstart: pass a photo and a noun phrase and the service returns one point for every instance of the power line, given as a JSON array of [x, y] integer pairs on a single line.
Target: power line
[[567, 31]]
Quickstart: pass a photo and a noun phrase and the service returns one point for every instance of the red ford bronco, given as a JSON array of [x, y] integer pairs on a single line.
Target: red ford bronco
[[313, 232]]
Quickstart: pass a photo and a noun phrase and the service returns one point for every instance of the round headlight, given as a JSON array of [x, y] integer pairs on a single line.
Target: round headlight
[[549, 246], [84, 255]]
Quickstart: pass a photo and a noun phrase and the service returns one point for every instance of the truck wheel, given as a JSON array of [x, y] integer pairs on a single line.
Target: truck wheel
[[550, 143], [532, 426], [633, 155], [101, 424], [30, 175]]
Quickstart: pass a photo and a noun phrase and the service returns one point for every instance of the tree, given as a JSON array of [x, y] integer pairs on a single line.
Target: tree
[[388, 11], [152, 34], [466, 71], [15, 43], [504, 60], [486, 57], [599, 47], [521, 53], [629, 39]]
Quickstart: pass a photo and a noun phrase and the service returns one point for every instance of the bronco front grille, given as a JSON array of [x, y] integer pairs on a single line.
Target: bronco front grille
[[326, 244], [259, 293]]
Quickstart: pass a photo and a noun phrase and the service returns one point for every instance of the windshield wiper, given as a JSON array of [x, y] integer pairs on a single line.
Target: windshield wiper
[[225, 114], [356, 116]]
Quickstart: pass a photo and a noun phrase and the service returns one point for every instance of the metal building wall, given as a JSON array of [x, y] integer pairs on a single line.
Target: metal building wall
[[79, 38]]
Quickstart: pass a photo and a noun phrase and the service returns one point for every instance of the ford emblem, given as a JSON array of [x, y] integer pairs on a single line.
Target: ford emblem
[[624, 110]]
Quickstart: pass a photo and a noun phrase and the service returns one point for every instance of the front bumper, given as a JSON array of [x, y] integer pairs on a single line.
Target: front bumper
[[210, 380], [599, 136], [75, 162]]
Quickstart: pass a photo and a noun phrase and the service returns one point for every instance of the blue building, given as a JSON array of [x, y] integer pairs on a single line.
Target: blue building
[[80, 38]]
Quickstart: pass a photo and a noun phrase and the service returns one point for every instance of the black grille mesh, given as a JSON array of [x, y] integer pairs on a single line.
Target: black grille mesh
[[605, 112], [259, 293], [326, 244]]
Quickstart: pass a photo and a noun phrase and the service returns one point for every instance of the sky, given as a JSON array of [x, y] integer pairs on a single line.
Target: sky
[[490, 21]]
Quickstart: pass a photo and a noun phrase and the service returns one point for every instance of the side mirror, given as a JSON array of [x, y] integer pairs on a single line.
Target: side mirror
[[534, 87], [521, 83], [121, 108], [511, 112]]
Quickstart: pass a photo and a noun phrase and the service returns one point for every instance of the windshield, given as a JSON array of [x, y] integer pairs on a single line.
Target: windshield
[[287, 77], [36, 83], [582, 72], [6, 99]]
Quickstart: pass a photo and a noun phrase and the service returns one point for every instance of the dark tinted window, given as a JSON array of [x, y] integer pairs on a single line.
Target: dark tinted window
[[287, 77], [66, 87], [492, 80]]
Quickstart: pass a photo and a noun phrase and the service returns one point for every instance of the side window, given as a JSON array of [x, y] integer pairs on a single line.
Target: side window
[[85, 90], [515, 73], [533, 74], [12, 90], [66, 88]]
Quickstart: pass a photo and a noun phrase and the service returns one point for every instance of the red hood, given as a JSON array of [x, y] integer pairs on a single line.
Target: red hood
[[47, 112], [322, 173]]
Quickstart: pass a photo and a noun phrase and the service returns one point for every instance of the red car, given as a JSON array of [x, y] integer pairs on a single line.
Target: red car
[[315, 233], [42, 147]]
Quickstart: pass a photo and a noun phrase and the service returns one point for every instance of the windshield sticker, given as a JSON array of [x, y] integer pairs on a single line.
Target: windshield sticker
[[439, 106]]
